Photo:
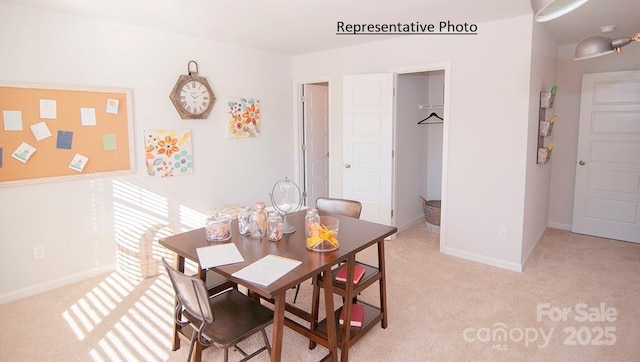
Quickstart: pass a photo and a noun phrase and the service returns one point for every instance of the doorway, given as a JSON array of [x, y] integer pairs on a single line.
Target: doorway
[[395, 143], [314, 126], [420, 117]]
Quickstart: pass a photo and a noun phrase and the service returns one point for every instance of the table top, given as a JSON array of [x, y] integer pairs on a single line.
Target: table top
[[354, 236]]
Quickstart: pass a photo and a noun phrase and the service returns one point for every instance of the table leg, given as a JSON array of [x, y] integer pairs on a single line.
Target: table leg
[[332, 337], [383, 284], [278, 327], [348, 300]]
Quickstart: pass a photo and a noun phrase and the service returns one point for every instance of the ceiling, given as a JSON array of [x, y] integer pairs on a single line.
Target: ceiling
[[303, 26]]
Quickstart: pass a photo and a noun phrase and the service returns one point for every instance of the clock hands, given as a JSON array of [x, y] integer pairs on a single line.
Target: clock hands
[[197, 96]]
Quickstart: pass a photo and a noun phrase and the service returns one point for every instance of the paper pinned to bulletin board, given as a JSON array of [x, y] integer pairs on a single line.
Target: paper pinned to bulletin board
[[51, 133]]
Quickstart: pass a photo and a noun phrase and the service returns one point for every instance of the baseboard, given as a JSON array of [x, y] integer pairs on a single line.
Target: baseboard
[[557, 225], [410, 223], [482, 259], [53, 284]]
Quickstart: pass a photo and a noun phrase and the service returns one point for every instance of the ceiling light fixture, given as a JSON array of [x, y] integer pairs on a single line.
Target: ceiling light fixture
[[597, 45], [545, 10]]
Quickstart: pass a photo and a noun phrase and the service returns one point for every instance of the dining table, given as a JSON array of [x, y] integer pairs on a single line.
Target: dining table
[[354, 236]]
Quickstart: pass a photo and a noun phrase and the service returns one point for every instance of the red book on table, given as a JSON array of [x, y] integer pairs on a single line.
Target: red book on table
[[358, 272], [357, 315]]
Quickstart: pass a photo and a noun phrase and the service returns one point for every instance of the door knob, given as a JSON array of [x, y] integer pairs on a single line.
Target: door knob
[[581, 163], [346, 165]]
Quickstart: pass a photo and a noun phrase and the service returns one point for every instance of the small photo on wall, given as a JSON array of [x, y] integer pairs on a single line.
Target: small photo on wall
[[78, 162], [244, 117], [23, 152], [168, 152]]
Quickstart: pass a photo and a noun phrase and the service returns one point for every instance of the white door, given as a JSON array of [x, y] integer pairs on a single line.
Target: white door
[[607, 190], [316, 133], [368, 144]]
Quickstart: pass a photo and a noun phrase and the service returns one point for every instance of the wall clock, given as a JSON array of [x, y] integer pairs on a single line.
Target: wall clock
[[192, 95]]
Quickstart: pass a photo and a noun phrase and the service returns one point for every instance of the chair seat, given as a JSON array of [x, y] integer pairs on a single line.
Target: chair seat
[[236, 317]]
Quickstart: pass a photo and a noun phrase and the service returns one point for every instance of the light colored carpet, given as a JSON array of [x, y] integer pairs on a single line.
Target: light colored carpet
[[441, 308]]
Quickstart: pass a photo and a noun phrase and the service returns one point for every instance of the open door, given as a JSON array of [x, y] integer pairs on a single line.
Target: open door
[[315, 106], [368, 144]]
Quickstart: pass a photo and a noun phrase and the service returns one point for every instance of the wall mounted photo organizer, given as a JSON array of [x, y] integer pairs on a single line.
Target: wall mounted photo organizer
[[545, 126], [56, 133]]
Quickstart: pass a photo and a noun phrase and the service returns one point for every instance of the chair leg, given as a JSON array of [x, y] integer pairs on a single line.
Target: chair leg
[[226, 355], [315, 305], [266, 341], [266, 347], [192, 344], [295, 297]]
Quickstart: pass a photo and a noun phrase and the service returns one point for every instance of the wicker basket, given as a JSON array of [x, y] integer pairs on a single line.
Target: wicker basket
[[431, 214]]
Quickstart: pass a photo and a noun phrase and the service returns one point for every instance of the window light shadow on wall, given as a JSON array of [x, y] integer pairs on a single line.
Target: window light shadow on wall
[[126, 317], [190, 219], [140, 219]]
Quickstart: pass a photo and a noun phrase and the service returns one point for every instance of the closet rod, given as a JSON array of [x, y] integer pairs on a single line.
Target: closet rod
[[429, 106]]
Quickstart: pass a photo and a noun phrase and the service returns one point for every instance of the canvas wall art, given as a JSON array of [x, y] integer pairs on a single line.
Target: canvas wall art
[[168, 152], [244, 117]]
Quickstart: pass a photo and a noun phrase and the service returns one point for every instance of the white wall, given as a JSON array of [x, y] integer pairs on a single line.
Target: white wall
[[565, 131], [76, 220], [543, 77], [488, 126]]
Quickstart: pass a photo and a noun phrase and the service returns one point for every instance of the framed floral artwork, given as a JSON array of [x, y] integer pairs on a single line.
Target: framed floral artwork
[[244, 117], [168, 152]]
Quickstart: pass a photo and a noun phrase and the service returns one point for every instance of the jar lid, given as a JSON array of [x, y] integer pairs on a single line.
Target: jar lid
[[219, 217]]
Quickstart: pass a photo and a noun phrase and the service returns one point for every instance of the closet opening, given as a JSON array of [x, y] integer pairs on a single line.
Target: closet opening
[[420, 122]]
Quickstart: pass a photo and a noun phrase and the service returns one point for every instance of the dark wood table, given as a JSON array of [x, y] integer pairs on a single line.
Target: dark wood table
[[355, 235]]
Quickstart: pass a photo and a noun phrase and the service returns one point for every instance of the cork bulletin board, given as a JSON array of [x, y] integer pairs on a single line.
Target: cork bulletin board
[[55, 133]]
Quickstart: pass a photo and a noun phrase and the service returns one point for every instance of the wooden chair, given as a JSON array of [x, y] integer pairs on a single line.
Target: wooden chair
[[350, 208], [224, 319], [344, 207]]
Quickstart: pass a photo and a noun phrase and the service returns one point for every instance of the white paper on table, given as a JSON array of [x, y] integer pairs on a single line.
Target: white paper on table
[[221, 254], [267, 270]]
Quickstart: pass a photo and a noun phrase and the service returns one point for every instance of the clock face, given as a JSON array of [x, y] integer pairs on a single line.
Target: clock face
[[194, 97]]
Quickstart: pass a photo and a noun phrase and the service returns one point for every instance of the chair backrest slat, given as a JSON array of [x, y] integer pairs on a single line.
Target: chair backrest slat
[[344, 207]]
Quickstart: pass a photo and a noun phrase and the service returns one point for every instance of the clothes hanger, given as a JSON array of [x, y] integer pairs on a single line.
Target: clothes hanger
[[433, 114]]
